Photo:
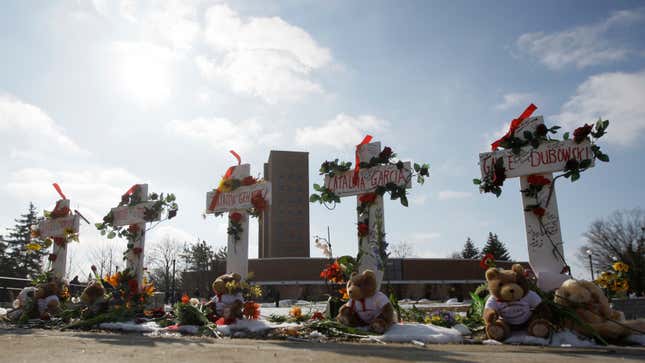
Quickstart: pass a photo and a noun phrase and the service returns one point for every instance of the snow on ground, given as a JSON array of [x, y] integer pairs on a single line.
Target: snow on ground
[[131, 326], [636, 339], [3, 312], [253, 326], [406, 333], [565, 338]]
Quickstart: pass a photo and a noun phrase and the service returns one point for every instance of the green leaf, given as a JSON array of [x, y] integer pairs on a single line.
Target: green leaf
[[404, 200], [585, 163], [314, 198], [477, 181], [417, 167], [575, 176], [603, 157], [554, 128], [98, 225], [111, 235], [605, 124], [565, 136], [317, 187]]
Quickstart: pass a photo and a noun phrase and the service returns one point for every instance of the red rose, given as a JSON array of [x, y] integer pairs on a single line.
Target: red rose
[[249, 180], [499, 176], [571, 165], [59, 241], [133, 228], [185, 299], [258, 202], [539, 211], [386, 153], [367, 198], [541, 130], [235, 217], [52, 257], [538, 180], [137, 250], [487, 261], [363, 229], [580, 134], [134, 286], [93, 268], [318, 316]]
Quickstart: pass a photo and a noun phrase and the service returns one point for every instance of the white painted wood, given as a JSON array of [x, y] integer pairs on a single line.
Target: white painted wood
[[237, 259], [238, 199], [56, 227], [136, 261], [127, 215], [368, 179], [368, 245], [543, 257]]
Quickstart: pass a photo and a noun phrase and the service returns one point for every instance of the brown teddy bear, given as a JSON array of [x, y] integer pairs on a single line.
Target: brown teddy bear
[[93, 297], [366, 305], [512, 305], [592, 307], [228, 301]]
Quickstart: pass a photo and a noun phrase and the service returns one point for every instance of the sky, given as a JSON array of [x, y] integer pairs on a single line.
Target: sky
[[99, 95]]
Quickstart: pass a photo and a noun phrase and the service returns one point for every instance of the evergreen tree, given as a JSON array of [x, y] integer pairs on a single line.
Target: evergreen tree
[[4, 260], [495, 247], [22, 262], [198, 256], [470, 251]]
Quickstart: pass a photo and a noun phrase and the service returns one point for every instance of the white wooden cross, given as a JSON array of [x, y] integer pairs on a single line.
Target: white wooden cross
[[238, 201], [544, 238], [368, 180], [59, 227], [135, 215]]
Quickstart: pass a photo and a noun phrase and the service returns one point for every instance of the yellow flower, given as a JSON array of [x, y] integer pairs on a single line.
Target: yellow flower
[[435, 319], [620, 286], [33, 247], [231, 286], [620, 266], [255, 291], [225, 185]]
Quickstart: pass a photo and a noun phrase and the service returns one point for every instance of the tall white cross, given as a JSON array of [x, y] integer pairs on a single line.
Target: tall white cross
[[368, 180], [238, 201], [59, 228], [543, 235], [135, 215]]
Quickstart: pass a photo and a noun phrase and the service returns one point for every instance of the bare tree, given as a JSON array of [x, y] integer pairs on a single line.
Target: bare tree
[[619, 237], [107, 258], [402, 250], [162, 256]]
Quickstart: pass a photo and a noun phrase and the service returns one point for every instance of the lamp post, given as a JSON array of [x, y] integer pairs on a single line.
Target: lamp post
[[590, 253]]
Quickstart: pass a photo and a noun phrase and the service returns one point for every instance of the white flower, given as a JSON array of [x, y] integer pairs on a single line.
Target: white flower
[[194, 301]]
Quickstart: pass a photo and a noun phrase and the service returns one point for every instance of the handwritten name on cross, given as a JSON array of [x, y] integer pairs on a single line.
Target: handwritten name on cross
[[543, 236], [238, 201], [58, 227], [135, 215], [368, 180]]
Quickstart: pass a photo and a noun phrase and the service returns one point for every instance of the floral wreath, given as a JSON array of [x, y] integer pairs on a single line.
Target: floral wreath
[[493, 182], [38, 241], [228, 184], [163, 205]]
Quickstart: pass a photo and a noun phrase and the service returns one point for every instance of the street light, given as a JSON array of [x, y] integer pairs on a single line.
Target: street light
[[590, 253]]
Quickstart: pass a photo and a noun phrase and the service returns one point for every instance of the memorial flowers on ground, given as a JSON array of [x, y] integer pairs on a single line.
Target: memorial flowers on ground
[[614, 282]]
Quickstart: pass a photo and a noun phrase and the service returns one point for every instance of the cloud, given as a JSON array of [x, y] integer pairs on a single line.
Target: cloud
[[341, 132], [261, 56], [615, 96], [512, 100], [224, 134], [580, 46], [451, 194], [29, 132]]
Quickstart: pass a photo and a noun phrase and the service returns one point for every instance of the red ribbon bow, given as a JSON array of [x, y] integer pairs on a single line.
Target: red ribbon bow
[[357, 168], [60, 192], [227, 175], [131, 190], [514, 125]]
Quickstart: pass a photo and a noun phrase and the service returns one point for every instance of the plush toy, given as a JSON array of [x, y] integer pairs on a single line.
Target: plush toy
[[592, 307], [48, 295], [25, 302], [94, 298], [366, 305], [228, 301], [512, 306]]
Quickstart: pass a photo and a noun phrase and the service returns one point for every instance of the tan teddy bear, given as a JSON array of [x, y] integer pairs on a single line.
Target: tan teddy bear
[[592, 307], [228, 301], [93, 297], [511, 305], [366, 305]]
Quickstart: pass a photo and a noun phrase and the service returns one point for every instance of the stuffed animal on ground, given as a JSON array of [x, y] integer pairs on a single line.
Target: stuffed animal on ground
[[48, 296], [25, 302], [512, 306], [94, 298], [592, 307], [366, 305], [228, 302]]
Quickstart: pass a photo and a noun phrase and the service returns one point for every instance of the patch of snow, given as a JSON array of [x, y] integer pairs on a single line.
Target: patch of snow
[[462, 329], [453, 301], [426, 333], [253, 326], [3, 312], [565, 338], [131, 326], [491, 342], [636, 339]]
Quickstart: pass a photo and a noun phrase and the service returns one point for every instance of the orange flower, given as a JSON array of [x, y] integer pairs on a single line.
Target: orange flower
[[332, 273], [148, 289], [295, 312], [185, 299], [251, 310], [343, 292], [113, 280]]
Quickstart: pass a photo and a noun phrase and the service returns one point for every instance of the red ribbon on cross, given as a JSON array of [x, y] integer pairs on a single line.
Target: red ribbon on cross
[[514, 125], [131, 190], [60, 192], [227, 175], [357, 168]]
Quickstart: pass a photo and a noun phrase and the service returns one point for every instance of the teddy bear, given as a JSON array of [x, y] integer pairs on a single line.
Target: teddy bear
[[512, 305], [93, 297], [48, 294], [366, 305], [592, 307], [25, 302], [228, 302]]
